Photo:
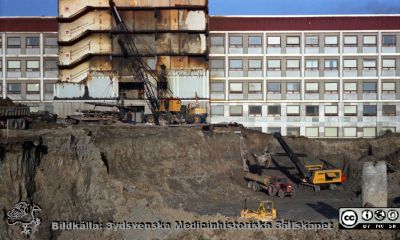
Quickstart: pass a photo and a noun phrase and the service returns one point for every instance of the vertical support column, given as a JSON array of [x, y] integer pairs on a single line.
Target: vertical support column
[[3, 62], [379, 46], [41, 68], [302, 65], [340, 105], [226, 67], [264, 50]]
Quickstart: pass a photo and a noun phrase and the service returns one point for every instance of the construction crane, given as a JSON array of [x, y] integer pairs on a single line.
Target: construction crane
[[159, 96], [138, 68], [313, 176]]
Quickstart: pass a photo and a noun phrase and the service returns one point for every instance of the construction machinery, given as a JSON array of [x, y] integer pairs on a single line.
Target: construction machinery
[[164, 108], [13, 116], [274, 185], [312, 176], [266, 212]]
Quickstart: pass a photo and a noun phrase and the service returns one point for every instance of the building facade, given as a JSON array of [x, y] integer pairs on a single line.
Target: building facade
[[170, 33], [316, 76], [28, 60]]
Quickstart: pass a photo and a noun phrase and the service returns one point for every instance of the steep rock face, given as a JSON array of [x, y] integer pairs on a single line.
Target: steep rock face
[[146, 174]]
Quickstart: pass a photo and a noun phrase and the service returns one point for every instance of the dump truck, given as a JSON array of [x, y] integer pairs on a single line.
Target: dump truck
[[274, 185], [13, 116], [266, 212]]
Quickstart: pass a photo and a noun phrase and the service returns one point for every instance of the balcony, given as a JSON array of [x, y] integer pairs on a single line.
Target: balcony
[[32, 97], [236, 96], [274, 96], [14, 74], [235, 73], [350, 73], [236, 50], [293, 73], [312, 50], [33, 74], [274, 74], [331, 50], [369, 50], [255, 96], [369, 73], [350, 96], [293, 96], [388, 73], [369, 96], [33, 51], [292, 50], [331, 73], [389, 49], [388, 95], [274, 50], [13, 51], [51, 73], [311, 96], [217, 50], [331, 96], [217, 96], [350, 49], [255, 73], [312, 73], [217, 73], [255, 50]]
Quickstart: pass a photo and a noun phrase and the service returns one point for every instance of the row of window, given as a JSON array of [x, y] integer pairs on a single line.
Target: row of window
[[31, 88], [294, 64], [294, 87], [310, 110], [30, 42], [310, 40], [331, 131], [31, 65]]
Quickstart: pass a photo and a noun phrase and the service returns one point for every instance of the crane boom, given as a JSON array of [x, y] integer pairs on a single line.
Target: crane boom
[[139, 68], [292, 156]]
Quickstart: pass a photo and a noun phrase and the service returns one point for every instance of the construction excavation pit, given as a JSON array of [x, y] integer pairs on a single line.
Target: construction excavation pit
[[103, 178]]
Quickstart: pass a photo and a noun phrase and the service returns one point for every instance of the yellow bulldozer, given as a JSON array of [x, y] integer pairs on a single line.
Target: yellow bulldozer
[[266, 212]]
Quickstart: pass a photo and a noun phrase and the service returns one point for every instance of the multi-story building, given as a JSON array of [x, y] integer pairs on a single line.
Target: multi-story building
[[170, 33], [28, 60], [317, 76]]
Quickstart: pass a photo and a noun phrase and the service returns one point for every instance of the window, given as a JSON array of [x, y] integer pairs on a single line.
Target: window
[[272, 130], [388, 64], [331, 64], [255, 110], [13, 65], [293, 41], [274, 65], [389, 110], [32, 42], [32, 65], [331, 87], [331, 110], [50, 65], [255, 88], [331, 41], [350, 87], [274, 41], [389, 87], [350, 41], [293, 131], [236, 42], [236, 110], [217, 110], [217, 64], [235, 87], [312, 110], [255, 41], [274, 110], [13, 42], [369, 132], [312, 64], [331, 132], [293, 110], [369, 64], [50, 42], [389, 40], [350, 132], [312, 132], [217, 87], [350, 64], [274, 87], [350, 110], [32, 88], [369, 110], [217, 41], [369, 87], [312, 41], [49, 88], [255, 64], [312, 88], [236, 64], [369, 40], [293, 64], [14, 88], [293, 87]]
